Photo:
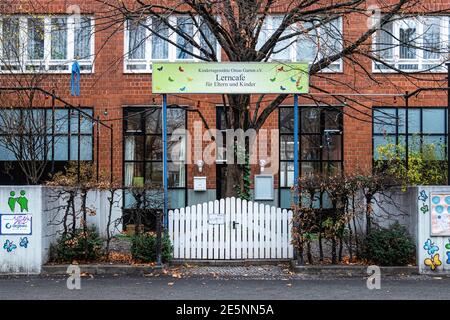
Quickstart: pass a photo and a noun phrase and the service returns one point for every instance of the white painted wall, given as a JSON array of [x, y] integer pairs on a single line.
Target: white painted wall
[[424, 233], [47, 213], [23, 260]]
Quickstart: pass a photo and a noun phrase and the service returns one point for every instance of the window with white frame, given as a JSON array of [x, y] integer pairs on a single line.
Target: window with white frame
[[151, 40], [413, 44], [314, 41], [46, 43]]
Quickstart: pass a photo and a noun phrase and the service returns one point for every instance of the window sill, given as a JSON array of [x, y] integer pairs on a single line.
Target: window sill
[[62, 67]]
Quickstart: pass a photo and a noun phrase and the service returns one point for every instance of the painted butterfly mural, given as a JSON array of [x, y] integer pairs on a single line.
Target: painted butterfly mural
[[424, 209], [430, 247], [24, 242], [423, 196], [9, 246], [433, 262]]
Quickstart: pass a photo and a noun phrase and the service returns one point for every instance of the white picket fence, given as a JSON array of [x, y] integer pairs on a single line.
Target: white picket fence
[[231, 229]]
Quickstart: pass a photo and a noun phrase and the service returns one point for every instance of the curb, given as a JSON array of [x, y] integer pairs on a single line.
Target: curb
[[228, 263], [103, 269], [352, 270]]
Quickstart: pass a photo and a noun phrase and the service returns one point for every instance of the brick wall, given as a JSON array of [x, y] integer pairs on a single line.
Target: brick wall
[[109, 89]]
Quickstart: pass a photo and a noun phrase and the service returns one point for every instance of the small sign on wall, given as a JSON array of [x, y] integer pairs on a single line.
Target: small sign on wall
[[264, 189], [199, 183], [16, 224], [216, 218]]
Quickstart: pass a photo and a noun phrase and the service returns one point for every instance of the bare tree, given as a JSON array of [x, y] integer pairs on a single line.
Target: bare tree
[[240, 30]]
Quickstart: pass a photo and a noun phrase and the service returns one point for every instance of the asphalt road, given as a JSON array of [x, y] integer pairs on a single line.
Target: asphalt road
[[154, 288]]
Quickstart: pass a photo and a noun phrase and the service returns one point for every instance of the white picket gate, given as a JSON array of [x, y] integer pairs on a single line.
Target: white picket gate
[[231, 229]]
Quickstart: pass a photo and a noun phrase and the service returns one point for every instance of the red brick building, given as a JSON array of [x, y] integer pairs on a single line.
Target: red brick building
[[116, 83]]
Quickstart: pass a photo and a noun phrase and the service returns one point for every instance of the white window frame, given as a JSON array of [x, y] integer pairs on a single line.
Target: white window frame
[[146, 64], [339, 67], [25, 66], [419, 61]]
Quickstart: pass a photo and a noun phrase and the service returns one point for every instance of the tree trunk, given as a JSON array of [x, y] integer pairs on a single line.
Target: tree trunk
[[237, 116], [368, 213], [333, 250], [233, 179], [308, 252]]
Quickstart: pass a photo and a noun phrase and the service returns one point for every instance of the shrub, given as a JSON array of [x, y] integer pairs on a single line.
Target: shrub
[[78, 246], [388, 247], [143, 248]]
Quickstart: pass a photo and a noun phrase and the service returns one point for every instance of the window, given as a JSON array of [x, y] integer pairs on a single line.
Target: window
[[146, 41], [425, 126], [32, 135], [413, 44], [314, 42], [143, 151], [320, 145], [46, 44]]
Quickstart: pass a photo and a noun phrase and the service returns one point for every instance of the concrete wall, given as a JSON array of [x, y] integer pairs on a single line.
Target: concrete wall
[[47, 210], [397, 205], [414, 209]]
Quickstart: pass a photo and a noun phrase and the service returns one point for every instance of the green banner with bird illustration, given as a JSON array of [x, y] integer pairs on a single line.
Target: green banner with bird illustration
[[230, 78]]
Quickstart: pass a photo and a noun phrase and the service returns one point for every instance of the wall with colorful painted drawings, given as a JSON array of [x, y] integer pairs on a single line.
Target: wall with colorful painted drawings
[[20, 229], [433, 242], [29, 224]]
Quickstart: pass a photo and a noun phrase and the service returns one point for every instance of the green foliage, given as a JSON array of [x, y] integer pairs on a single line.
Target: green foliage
[[425, 164], [388, 247], [79, 246], [245, 191], [143, 248]]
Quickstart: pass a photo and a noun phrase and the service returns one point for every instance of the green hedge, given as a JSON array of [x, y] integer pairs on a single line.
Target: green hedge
[[389, 247], [78, 246], [143, 248]]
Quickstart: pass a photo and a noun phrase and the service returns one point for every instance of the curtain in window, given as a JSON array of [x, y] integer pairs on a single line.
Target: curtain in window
[[35, 39], [186, 26], [431, 38], [10, 39], [407, 40], [59, 39], [137, 38], [282, 48], [384, 45], [264, 34], [330, 41], [129, 155], [83, 33], [207, 39], [307, 44], [160, 47], [181, 165]]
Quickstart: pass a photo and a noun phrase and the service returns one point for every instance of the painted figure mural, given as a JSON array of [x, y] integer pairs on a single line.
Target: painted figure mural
[[22, 201]]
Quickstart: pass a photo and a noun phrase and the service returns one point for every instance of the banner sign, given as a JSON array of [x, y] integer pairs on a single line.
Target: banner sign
[[15, 224], [230, 78]]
